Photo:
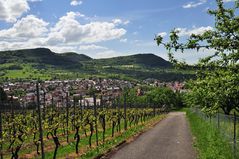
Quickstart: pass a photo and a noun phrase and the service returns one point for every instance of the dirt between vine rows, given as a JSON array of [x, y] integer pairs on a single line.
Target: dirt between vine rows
[[169, 139]]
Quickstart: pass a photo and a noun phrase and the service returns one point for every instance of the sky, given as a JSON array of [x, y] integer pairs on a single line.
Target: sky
[[102, 28]]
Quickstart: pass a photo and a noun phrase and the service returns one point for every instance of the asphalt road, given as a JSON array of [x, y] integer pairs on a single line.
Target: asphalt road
[[169, 139]]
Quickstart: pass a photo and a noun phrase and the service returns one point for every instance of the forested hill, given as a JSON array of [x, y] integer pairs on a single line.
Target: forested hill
[[147, 59], [43, 56], [74, 60], [45, 64]]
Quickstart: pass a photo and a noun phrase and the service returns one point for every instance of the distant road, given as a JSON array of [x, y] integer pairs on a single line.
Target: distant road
[[169, 139]]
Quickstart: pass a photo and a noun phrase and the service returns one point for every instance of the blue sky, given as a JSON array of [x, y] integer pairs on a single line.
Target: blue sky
[[101, 28]]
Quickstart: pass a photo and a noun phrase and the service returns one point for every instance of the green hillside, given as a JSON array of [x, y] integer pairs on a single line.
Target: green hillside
[[45, 64], [41, 57], [71, 59], [76, 57], [147, 60]]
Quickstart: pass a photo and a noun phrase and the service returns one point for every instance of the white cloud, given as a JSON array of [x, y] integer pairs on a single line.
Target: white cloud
[[7, 45], [162, 34], [68, 34], [120, 22], [76, 2], [62, 48], [126, 22], [27, 27], [194, 4], [11, 10], [194, 30], [106, 54], [69, 30], [117, 21], [123, 40], [92, 47]]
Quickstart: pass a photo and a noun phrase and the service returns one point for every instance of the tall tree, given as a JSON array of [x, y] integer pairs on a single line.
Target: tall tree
[[217, 83]]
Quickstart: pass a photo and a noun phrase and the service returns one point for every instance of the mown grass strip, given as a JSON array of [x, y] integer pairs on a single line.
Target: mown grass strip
[[209, 142]]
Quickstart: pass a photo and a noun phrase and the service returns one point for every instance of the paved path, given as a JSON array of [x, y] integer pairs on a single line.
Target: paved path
[[169, 139]]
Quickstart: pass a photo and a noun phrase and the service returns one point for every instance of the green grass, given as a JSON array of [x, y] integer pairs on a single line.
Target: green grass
[[209, 142], [27, 71], [126, 72]]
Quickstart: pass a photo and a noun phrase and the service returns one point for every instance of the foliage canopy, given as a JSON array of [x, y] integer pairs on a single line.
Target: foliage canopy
[[217, 83]]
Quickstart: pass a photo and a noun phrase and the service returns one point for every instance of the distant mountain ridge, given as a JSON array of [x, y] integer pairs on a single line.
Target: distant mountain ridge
[[146, 59], [42, 63], [76, 57], [43, 56], [73, 60]]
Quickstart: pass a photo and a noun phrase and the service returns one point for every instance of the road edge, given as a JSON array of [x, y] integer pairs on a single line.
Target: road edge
[[131, 139]]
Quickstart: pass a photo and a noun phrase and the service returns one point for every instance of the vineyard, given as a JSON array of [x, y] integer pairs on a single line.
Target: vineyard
[[71, 130]]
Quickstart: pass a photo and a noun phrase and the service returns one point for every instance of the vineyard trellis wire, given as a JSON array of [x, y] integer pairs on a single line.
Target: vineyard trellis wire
[[42, 126]]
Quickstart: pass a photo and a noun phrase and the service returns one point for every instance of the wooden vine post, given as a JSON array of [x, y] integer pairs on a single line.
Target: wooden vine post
[[52, 101], [101, 102], [119, 113], [12, 109], [40, 121], [74, 107], [44, 105], [95, 114], [67, 117], [81, 109], [125, 120]]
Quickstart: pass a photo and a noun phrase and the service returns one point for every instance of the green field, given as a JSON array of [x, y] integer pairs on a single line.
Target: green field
[[29, 71]]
